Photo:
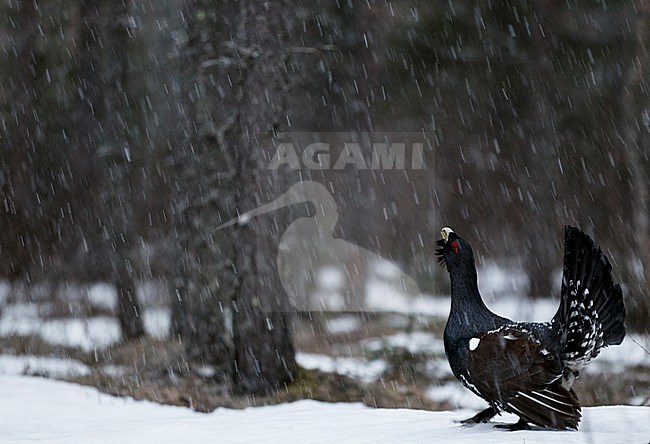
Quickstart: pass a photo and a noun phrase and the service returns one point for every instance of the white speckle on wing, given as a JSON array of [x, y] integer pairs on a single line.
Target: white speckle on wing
[[469, 385], [473, 343]]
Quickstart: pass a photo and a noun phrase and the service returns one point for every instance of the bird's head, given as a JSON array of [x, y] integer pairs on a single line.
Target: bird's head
[[452, 250]]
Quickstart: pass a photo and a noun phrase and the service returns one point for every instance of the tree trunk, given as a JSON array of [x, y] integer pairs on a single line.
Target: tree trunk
[[203, 280], [634, 130], [20, 205], [264, 353], [129, 312], [103, 139], [229, 306], [117, 155], [540, 118]]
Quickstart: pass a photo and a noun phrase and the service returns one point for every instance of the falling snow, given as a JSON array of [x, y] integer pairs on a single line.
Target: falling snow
[[226, 194]]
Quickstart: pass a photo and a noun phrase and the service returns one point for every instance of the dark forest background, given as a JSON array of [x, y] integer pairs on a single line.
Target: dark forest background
[[119, 118]]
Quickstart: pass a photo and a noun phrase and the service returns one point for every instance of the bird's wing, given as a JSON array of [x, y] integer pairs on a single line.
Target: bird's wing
[[510, 367]]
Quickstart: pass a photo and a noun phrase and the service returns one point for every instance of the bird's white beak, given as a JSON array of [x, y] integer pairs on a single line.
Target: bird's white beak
[[445, 232]]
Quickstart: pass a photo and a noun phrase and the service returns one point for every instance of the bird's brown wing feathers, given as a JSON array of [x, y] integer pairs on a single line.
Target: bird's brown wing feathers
[[512, 368]]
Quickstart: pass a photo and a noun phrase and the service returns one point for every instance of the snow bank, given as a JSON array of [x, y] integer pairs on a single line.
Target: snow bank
[[414, 342], [86, 333], [35, 409], [366, 371], [42, 365]]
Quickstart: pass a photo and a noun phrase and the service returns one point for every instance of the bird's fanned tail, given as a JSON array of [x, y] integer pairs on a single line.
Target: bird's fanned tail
[[591, 313]]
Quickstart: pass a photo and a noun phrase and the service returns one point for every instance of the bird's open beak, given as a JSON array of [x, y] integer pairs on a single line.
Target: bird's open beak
[[445, 232]]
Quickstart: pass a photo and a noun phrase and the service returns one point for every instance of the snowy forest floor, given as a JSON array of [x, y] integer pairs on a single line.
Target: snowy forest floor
[[36, 409], [393, 360]]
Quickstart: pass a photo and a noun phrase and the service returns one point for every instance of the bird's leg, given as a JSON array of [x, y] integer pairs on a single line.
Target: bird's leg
[[481, 417], [519, 425]]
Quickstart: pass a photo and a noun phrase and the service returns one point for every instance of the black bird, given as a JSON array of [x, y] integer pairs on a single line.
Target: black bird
[[528, 368]]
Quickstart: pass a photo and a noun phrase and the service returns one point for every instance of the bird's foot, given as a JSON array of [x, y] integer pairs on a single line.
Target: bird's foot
[[481, 417], [519, 425]]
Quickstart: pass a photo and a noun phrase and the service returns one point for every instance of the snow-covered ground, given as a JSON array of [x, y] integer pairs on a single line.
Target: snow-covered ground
[[86, 333], [98, 332], [42, 365], [102, 331], [413, 342], [42, 410], [35, 409], [366, 371]]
